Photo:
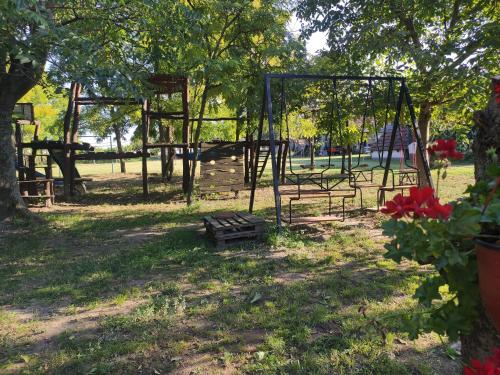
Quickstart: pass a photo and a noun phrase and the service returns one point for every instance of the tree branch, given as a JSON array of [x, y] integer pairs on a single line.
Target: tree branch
[[454, 15], [409, 25], [227, 25]]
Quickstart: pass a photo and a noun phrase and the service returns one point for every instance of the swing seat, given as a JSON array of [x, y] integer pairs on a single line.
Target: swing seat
[[370, 185], [408, 177], [334, 193], [408, 170], [302, 178], [304, 192], [314, 166], [295, 195]]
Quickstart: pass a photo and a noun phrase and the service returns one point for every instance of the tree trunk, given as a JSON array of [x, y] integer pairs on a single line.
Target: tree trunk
[[10, 198], [482, 340], [239, 124], [194, 163], [118, 136], [171, 153], [163, 152], [483, 337], [311, 151], [424, 118], [488, 134]]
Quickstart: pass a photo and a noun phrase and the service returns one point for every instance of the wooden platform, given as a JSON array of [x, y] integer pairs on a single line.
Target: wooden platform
[[231, 227]]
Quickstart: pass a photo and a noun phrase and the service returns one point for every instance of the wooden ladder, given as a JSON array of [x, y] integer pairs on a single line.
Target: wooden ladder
[[262, 158]]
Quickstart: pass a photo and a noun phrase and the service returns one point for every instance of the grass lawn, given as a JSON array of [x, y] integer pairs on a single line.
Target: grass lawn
[[110, 284]]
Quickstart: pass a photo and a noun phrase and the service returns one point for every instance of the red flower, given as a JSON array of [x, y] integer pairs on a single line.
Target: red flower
[[445, 149], [397, 208], [421, 195], [421, 203], [490, 366], [497, 92], [435, 210]]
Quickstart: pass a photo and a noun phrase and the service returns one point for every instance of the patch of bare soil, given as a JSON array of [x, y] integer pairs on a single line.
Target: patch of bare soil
[[48, 327], [198, 361], [203, 363], [58, 322]]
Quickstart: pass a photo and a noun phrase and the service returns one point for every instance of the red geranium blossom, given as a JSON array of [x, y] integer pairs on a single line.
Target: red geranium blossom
[[445, 149], [421, 202], [491, 366], [397, 208], [435, 210], [497, 92]]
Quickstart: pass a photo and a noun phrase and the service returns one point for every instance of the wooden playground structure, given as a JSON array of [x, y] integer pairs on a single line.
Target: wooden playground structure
[[32, 185], [233, 166], [231, 161]]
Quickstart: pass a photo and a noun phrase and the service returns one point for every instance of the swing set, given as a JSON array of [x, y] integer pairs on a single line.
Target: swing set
[[323, 180]]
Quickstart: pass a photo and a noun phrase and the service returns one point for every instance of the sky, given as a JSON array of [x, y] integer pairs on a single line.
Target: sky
[[316, 42]]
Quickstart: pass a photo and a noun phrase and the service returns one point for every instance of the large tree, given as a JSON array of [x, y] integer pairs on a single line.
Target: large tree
[[85, 41], [445, 48], [68, 33], [223, 37]]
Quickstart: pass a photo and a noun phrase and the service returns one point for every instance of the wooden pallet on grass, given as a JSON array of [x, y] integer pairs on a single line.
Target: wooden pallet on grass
[[228, 228]]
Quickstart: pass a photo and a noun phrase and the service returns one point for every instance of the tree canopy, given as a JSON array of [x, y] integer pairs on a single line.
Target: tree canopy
[[446, 49]]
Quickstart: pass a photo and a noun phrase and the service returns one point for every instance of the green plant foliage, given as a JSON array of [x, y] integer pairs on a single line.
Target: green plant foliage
[[446, 49], [451, 294], [48, 106]]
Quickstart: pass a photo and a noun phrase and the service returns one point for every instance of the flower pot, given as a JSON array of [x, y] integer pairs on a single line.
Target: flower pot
[[488, 263]]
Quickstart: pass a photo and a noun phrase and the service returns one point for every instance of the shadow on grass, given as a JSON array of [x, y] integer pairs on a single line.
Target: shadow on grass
[[240, 305], [304, 327]]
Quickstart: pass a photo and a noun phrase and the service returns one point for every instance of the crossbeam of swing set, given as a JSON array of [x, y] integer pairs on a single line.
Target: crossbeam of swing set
[[319, 77], [404, 95]]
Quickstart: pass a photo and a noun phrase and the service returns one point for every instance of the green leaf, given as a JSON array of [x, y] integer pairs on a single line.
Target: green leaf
[[429, 290]]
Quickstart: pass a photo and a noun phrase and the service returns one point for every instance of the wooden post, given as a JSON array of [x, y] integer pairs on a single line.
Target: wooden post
[[67, 142], [342, 170], [31, 175], [185, 137], [246, 177], [349, 158], [163, 149], [311, 151], [47, 191], [163, 152], [74, 139], [171, 153], [48, 170], [37, 130], [20, 150], [145, 140], [255, 161], [76, 115]]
